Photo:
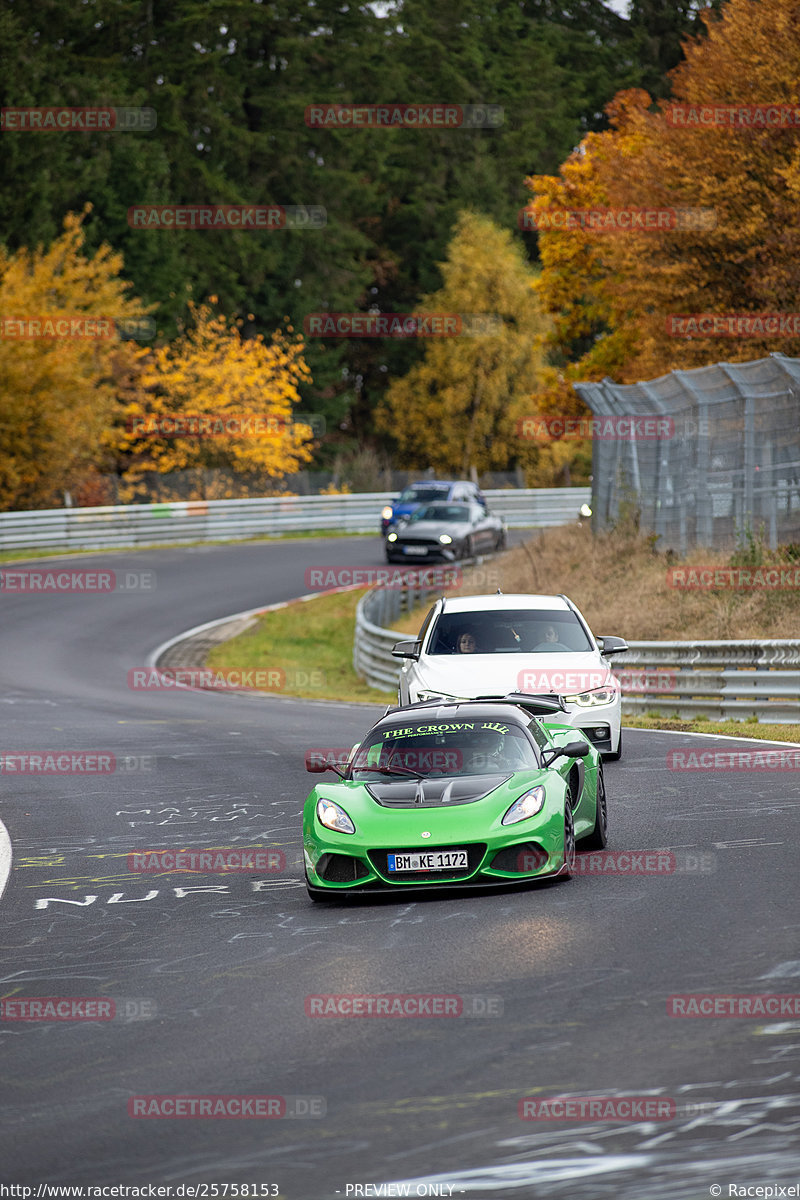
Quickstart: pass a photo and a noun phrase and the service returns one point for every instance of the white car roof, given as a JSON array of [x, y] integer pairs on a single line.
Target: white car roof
[[499, 603]]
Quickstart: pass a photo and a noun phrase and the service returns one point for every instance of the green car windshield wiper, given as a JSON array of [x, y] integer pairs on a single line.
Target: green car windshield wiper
[[394, 771]]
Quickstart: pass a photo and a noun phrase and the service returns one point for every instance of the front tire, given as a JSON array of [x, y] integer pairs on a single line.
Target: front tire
[[598, 838], [568, 870]]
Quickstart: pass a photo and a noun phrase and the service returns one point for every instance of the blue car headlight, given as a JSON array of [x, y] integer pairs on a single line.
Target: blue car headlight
[[333, 817], [527, 806]]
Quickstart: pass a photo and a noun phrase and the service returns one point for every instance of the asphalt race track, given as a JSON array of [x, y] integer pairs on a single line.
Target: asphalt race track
[[210, 974]]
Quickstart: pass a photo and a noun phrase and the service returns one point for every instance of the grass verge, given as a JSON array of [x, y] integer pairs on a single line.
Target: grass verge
[[311, 641], [756, 730]]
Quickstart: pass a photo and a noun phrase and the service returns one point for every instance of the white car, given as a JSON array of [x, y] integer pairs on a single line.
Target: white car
[[481, 647]]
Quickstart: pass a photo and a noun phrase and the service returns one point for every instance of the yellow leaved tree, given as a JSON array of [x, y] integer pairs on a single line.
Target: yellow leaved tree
[[215, 400], [460, 406], [60, 348]]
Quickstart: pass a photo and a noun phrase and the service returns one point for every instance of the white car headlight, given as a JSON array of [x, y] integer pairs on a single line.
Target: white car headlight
[[597, 696], [445, 539], [333, 817], [392, 537], [527, 806], [386, 513]]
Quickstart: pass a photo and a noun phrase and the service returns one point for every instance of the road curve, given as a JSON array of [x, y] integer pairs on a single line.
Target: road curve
[[210, 976]]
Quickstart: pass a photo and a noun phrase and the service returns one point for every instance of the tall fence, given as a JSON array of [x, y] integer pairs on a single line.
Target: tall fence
[[121, 526], [728, 463], [718, 679]]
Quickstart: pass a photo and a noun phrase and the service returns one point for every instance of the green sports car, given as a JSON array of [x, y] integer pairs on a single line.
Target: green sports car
[[453, 794]]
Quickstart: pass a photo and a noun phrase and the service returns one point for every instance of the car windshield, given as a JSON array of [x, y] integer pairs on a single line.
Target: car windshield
[[442, 512], [438, 748], [418, 495], [509, 631]]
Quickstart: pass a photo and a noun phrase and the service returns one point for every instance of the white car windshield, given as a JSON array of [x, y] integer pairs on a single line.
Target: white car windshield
[[441, 512], [510, 631]]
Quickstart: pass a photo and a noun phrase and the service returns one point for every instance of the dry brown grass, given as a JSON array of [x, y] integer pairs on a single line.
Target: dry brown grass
[[620, 585]]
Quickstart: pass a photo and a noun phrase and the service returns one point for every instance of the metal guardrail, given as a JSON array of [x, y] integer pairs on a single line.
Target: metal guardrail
[[372, 645], [125, 525], [718, 679]]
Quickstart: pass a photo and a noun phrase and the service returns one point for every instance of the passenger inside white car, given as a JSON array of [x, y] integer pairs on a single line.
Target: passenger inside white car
[[551, 641]]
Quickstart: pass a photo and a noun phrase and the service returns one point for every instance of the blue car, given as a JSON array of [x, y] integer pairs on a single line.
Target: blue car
[[428, 491]]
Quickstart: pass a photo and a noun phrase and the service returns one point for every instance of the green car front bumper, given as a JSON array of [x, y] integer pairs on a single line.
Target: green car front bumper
[[496, 854]]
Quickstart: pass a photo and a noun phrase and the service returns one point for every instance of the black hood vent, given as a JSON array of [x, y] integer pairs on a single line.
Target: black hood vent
[[434, 793]]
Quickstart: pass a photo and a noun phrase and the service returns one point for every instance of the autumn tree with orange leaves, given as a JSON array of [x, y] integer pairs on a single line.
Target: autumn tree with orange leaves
[[611, 294], [213, 399], [61, 316]]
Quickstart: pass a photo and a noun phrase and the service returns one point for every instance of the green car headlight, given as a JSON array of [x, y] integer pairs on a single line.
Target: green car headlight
[[392, 537], [527, 806], [588, 699], [445, 539], [333, 817]]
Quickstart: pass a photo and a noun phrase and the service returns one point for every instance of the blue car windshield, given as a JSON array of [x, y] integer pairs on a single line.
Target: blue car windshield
[[438, 748], [418, 495], [510, 631]]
